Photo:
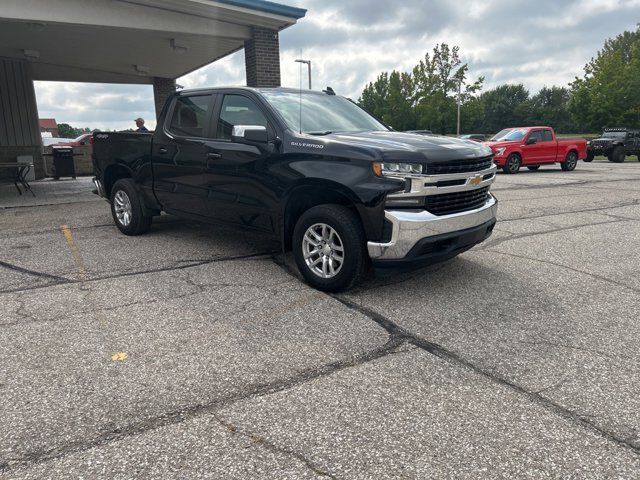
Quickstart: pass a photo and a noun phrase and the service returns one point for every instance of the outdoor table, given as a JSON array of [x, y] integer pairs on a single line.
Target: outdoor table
[[22, 169]]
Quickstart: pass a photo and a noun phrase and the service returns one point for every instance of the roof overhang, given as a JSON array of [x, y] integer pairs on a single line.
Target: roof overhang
[[130, 41]]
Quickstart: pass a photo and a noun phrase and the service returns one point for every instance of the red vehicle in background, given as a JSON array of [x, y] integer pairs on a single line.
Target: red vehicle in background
[[84, 139], [533, 147]]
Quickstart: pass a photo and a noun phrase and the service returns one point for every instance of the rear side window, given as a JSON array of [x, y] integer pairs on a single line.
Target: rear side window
[[238, 110], [190, 116], [546, 136]]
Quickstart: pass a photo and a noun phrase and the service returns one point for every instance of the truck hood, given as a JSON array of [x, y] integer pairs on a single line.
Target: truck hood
[[494, 145], [398, 146]]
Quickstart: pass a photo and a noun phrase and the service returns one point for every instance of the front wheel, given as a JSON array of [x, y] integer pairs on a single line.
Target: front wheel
[[590, 157], [329, 248], [127, 210], [513, 164], [570, 162]]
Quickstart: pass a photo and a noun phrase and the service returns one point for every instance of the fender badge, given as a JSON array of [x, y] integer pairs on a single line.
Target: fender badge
[[475, 180]]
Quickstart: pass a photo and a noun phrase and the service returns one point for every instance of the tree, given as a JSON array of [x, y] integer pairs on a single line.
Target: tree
[[550, 107], [608, 94], [66, 131], [504, 106]]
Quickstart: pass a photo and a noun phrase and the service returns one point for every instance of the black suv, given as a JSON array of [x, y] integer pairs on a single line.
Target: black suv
[[615, 144]]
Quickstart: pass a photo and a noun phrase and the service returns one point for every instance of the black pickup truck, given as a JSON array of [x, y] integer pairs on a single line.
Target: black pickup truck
[[335, 185]]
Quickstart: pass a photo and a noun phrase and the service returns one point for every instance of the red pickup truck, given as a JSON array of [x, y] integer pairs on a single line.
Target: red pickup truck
[[533, 147]]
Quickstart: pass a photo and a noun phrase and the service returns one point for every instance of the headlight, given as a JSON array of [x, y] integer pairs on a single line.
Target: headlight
[[589, 143], [500, 151], [394, 168]]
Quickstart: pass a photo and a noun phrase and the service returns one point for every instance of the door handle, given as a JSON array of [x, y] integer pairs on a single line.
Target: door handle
[[213, 155], [162, 150]]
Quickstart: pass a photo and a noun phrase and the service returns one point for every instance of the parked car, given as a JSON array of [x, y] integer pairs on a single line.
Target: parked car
[[533, 147], [340, 190], [616, 144], [476, 137], [84, 139], [48, 141], [420, 132]]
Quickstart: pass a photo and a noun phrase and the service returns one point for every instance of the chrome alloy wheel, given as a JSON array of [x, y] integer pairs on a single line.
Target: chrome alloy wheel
[[122, 207], [323, 250], [572, 160]]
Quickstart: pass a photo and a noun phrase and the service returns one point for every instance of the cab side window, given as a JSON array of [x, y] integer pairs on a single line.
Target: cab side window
[[190, 116], [238, 110], [546, 136], [537, 134]]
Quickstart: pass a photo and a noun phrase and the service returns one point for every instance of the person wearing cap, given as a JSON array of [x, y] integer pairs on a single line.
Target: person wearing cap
[[140, 124]]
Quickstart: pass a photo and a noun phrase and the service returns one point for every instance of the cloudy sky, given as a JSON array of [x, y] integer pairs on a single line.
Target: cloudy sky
[[544, 42]]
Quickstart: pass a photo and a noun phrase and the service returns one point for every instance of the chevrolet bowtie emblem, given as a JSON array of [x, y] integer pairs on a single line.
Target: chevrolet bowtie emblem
[[475, 180]]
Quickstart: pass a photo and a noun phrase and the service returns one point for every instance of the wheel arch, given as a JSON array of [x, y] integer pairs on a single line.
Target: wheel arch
[[112, 174], [306, 195]]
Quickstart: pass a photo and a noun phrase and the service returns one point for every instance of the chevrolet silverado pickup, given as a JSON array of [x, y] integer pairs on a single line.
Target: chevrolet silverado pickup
[[534, 147], [337, 187]]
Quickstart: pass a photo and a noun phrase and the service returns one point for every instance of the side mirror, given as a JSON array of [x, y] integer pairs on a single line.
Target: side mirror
[[531, 141], [249, 134]]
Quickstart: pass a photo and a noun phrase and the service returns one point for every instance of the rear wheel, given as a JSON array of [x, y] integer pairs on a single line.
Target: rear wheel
[[126, 208], [617, 155], [570, 162], [329, 248], [512, 164], [534, 167]]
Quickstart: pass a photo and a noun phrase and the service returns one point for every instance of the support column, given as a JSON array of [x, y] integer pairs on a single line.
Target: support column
[[19, 126], [163, 88], [262, 58]]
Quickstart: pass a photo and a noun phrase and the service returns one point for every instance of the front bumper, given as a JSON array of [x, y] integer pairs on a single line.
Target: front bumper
[[419, 236]]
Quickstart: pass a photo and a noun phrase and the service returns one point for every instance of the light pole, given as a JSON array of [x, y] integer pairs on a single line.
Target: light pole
[[308, 62], [459, 91]]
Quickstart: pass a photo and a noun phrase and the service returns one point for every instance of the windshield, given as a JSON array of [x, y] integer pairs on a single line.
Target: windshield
[[512, 135], [321, 114], [500, 134], [613, 134]]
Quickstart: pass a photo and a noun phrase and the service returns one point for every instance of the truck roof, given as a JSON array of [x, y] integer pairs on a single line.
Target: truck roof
[[250, 89]]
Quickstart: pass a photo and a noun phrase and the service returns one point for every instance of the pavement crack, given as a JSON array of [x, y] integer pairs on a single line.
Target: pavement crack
[[455, 359], [260, 440], [569, 347], [569, 212], [393, 345], [34, 273], [567, 267]]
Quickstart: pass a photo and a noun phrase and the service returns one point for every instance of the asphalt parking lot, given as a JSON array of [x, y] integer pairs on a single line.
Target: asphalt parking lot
[[194, 352]]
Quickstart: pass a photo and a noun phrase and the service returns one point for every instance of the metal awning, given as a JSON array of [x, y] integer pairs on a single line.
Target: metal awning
[[130, 41]]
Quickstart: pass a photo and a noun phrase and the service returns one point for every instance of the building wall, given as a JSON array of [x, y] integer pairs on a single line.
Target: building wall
[[262, 58], [19, 128]]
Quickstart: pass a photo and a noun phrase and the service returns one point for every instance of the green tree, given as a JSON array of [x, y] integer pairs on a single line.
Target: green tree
[[66, 131], [550, 107], [608, 94], [374, 97], [504, 106]]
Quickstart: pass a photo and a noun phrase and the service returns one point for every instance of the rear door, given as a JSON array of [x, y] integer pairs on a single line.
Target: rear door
[[180, 153]]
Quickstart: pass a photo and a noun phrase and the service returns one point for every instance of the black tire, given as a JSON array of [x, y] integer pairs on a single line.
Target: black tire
[[570, 162], [590, 157], [138, 223], [513, 163], [349, 233], [617, 155], [534, 167]]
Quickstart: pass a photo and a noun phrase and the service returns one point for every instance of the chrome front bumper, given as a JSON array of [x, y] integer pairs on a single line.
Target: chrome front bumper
[[409, 227]]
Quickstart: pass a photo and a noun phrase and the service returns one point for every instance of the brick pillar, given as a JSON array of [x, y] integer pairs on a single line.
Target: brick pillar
[[163, 88], [262, 58]]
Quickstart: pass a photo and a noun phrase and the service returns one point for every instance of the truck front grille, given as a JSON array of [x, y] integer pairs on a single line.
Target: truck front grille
[[460, 166], [448, 203]]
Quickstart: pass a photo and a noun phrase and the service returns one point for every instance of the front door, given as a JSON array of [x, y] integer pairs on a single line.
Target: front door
[[237, 177], [532, 153], [180, 153]]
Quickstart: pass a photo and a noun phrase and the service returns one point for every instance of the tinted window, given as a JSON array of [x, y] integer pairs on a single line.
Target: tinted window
[[537, 134], [190, 116], [546, 136], [238, 110]]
